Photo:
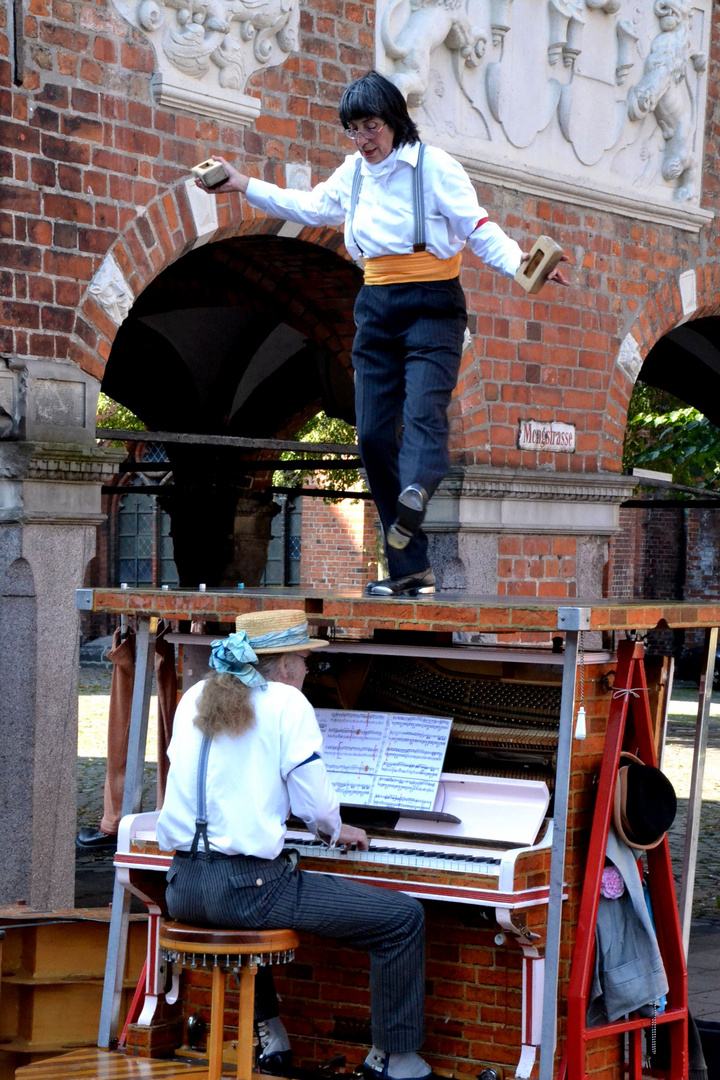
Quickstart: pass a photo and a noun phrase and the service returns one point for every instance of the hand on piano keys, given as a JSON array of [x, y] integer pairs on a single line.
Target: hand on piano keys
[[352, 839]]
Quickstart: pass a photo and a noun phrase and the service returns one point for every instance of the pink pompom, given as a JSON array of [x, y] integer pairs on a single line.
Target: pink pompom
[[612, 885]]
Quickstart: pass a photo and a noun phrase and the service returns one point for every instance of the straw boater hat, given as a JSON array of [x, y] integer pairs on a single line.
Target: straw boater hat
[[278, 631], [645, 804]]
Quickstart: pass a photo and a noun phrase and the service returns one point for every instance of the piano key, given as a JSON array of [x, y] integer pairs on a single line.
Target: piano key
[[456, 861]]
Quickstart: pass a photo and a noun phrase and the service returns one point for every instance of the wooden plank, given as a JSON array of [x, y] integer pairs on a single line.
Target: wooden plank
[[255, 465], [223, 440], [95, 1064]]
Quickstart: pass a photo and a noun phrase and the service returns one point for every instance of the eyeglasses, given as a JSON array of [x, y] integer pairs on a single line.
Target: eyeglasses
[[369, 131]]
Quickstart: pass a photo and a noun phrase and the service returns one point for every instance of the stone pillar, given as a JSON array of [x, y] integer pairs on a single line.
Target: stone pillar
[[51, 473], [518, 532]]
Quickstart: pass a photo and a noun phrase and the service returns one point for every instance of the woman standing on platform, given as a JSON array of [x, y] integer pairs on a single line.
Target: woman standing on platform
[[408, 211]]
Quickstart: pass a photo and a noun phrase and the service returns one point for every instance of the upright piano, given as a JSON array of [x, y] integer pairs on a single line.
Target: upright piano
[[485, 845]]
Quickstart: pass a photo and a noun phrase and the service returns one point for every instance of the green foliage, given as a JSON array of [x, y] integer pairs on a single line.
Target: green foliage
[[319, 429], [111, 414], [665, 434]]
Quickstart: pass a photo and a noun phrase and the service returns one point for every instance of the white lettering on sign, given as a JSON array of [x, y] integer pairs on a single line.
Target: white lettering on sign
[[557, 438]]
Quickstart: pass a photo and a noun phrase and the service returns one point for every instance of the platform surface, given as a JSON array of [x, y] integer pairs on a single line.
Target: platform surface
[[95, 1064], [348, 608]]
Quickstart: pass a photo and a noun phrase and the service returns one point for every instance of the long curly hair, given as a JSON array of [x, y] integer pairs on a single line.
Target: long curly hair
[[224, 707]]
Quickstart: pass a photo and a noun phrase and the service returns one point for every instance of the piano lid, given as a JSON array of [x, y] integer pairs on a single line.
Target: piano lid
[[499, 810]]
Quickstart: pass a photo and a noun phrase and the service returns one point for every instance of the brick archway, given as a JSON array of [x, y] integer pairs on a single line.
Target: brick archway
[[162, 234], [662, 313]]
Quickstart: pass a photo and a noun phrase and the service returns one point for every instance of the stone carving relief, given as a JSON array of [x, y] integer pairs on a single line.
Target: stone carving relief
[[664, 91], [603, 95], [429, 24], [629, 358], [111, 292], [206, 50]]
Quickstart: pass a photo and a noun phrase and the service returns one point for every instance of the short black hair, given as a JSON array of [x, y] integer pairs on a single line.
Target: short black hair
[[374, 95]]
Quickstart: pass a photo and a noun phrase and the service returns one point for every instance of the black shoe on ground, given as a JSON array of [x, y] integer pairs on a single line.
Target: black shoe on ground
[[278, 1064], [420, 584], [274, 1053], [410, 511], [89, 839]]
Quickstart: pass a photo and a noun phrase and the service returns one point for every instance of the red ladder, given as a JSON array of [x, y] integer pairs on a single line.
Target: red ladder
[[629, 727]]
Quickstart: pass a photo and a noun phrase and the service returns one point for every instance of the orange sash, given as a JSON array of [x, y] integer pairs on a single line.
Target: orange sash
[[417, 266]]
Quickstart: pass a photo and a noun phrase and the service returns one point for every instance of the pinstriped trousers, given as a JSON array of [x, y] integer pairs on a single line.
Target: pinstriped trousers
[[245, 892], [406, 356]]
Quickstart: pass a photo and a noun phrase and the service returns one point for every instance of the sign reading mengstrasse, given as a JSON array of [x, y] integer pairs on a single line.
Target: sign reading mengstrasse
[[556, 438]]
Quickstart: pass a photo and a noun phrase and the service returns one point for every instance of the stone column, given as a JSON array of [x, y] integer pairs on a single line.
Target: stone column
[[476, 508], [51, 473]]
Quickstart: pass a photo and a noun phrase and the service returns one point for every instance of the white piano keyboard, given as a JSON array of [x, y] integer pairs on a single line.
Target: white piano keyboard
[[395, 852]]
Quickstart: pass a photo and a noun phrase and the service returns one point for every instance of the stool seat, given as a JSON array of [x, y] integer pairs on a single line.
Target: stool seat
[[239, 952], [232, 942]]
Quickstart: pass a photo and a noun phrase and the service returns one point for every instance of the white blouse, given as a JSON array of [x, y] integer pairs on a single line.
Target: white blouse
[[383, 223], [254, 780]]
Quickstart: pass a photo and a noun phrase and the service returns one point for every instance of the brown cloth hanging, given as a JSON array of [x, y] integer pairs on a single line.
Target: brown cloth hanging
[[122, 656]]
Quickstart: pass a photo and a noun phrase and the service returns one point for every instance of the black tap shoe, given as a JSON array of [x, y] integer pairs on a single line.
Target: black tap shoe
[[420, 584], [410, 510]]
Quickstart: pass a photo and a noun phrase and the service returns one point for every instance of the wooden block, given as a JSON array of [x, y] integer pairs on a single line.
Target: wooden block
[[532, 274], [210, 173]]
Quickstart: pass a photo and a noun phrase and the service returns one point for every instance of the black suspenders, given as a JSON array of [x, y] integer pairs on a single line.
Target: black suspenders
[[418, 199]]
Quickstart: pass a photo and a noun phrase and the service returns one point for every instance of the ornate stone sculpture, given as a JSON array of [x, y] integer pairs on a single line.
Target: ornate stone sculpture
[[431, 23], [663, 90], [536, 92], [566, 25], [111, 291], [206, 50]]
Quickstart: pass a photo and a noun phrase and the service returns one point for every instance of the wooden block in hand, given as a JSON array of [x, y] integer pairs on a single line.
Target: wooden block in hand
[[210, 173], [544, 257]]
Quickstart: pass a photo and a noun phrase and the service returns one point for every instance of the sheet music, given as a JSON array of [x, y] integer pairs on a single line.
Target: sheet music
[[384, 759]]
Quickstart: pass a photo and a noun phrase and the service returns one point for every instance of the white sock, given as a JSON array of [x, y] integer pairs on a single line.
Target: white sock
[[273, 1036], [408, 1066]]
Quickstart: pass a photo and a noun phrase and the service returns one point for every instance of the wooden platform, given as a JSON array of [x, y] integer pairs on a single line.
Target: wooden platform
[[352, 613], [97, 1064]]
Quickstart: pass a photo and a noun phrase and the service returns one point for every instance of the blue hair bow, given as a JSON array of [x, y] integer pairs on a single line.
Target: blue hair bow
[[235, 656]]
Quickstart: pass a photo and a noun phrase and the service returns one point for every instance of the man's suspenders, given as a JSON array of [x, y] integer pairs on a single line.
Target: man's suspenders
[[201, 820]]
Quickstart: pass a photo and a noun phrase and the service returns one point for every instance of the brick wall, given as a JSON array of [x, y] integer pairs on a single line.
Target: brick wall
[[666, 554], [92, 165], [339, 543], [541, 566]]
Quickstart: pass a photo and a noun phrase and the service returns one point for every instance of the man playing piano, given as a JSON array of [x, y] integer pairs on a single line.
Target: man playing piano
[[245, 753]]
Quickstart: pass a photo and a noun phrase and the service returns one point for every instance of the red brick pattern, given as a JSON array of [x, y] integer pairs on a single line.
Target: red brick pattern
[[537, 566], [666, 553], [360, 616], [339, 543]]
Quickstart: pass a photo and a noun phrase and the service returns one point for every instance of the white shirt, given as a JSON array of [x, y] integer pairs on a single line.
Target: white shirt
[[383, 223], [254, 780]]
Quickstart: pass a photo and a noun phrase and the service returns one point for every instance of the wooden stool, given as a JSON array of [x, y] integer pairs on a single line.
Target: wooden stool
[[239, 952]]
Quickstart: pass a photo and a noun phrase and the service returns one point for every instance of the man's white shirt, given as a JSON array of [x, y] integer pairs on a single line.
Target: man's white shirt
[[383, 223], [254, 780]]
